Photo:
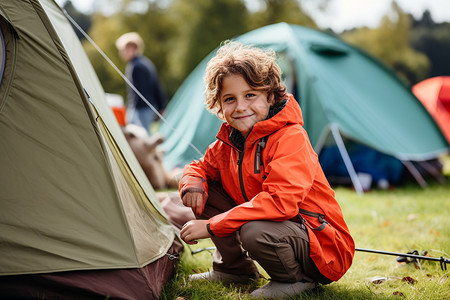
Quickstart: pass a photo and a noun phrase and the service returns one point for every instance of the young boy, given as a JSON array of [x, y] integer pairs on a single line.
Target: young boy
[[259, 192]]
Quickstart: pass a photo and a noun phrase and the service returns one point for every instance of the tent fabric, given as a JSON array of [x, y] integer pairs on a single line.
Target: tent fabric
[[93, 284], [74, 197], [334, 83], [434, 93]]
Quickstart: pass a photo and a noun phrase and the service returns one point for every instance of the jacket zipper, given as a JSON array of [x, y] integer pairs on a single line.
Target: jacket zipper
[[239, 163], [258, 159], [241, 179]]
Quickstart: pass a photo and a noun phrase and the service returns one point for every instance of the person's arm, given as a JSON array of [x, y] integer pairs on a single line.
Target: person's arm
[[140, 76], [156, 90], [194, 193], [193, 185]]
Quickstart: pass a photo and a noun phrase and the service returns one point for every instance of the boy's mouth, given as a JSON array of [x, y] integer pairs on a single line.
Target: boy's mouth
[[242, 117]]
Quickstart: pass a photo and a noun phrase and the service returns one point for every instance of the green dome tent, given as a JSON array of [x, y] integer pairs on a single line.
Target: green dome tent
[[344, 95], [78, 217]]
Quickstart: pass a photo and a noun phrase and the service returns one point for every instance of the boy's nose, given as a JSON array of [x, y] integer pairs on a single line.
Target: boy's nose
[[241, 105]]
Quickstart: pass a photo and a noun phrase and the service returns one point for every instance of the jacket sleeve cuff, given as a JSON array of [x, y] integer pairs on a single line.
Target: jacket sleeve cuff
[[208, 227], [192, 190]]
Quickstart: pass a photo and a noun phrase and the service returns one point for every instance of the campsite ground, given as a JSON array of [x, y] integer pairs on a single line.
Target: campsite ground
[[399, 220]]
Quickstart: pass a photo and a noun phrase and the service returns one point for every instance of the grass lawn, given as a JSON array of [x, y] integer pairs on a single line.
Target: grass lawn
[[400, 220]]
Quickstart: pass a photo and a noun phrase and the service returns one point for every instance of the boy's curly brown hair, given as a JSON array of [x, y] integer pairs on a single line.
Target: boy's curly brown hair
[[257, 66]]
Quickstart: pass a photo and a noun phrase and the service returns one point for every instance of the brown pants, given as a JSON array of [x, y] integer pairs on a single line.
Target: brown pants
[[281, 248]]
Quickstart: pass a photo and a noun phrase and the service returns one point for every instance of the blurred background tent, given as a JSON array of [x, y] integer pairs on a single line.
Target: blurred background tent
[[435, 95], [355, 109], [78, 217]]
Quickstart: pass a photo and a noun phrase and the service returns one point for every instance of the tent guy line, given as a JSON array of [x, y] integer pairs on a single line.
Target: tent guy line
[[442, 260], [128, 82]]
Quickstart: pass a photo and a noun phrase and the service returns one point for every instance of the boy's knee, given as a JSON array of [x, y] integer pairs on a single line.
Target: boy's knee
[[248, 234], [253, 237]]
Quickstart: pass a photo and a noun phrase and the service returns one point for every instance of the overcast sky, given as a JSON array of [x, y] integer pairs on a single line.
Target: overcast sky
[[346, 14]]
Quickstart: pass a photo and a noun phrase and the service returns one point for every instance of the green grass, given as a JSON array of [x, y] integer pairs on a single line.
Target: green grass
[[400, 220]]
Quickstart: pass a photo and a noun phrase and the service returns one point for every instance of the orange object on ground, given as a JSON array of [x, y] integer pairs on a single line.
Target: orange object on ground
[[120, 113]]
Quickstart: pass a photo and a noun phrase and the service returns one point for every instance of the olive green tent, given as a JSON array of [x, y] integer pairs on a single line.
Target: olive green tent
[[78, 217], [345, 95]]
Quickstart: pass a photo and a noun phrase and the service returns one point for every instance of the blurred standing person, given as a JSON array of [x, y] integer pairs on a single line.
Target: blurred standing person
[[141, 72]]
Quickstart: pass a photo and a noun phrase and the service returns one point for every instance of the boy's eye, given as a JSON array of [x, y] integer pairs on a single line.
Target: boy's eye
[[249, 95], [228, 99]]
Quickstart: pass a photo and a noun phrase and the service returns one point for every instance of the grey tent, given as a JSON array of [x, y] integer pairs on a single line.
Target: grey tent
[[345, 95], [78, 217]]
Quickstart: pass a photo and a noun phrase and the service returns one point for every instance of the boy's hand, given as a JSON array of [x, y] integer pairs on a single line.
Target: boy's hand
[[195, 201], [193, 230]]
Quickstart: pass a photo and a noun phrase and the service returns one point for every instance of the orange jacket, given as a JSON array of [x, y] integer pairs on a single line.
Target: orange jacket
[[290, 179]]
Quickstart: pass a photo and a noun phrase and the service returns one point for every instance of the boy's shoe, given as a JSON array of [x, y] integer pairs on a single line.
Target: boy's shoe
[[280, 290], [224, 277]]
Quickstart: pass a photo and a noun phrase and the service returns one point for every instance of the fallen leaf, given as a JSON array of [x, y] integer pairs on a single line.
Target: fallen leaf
[[396, 293], [409, 280]]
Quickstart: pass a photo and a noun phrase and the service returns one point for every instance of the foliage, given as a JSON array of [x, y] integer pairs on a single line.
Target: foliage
[[433, 40], [399, 220], [275, 11], [180, 33], [83, 20], [201, 26], [390, 43], [102, 31]]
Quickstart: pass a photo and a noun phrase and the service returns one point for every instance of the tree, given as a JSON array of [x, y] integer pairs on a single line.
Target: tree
[[425, 21], [433, 40], [104, 31], [390, 43], [83, 20], [275, 11], [201, 26], [178, 34]]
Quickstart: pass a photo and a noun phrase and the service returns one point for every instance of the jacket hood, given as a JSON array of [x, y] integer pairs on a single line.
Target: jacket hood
[[290, 114]]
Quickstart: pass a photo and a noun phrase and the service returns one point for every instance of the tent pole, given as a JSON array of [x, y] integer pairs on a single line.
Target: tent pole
[[346, 158], [415, 173], [321, 142], [433, 171]]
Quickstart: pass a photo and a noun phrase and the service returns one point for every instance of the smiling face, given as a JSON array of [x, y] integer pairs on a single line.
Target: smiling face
[[241, 105]]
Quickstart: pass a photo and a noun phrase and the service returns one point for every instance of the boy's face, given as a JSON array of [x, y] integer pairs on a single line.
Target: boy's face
[[241, 105]]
